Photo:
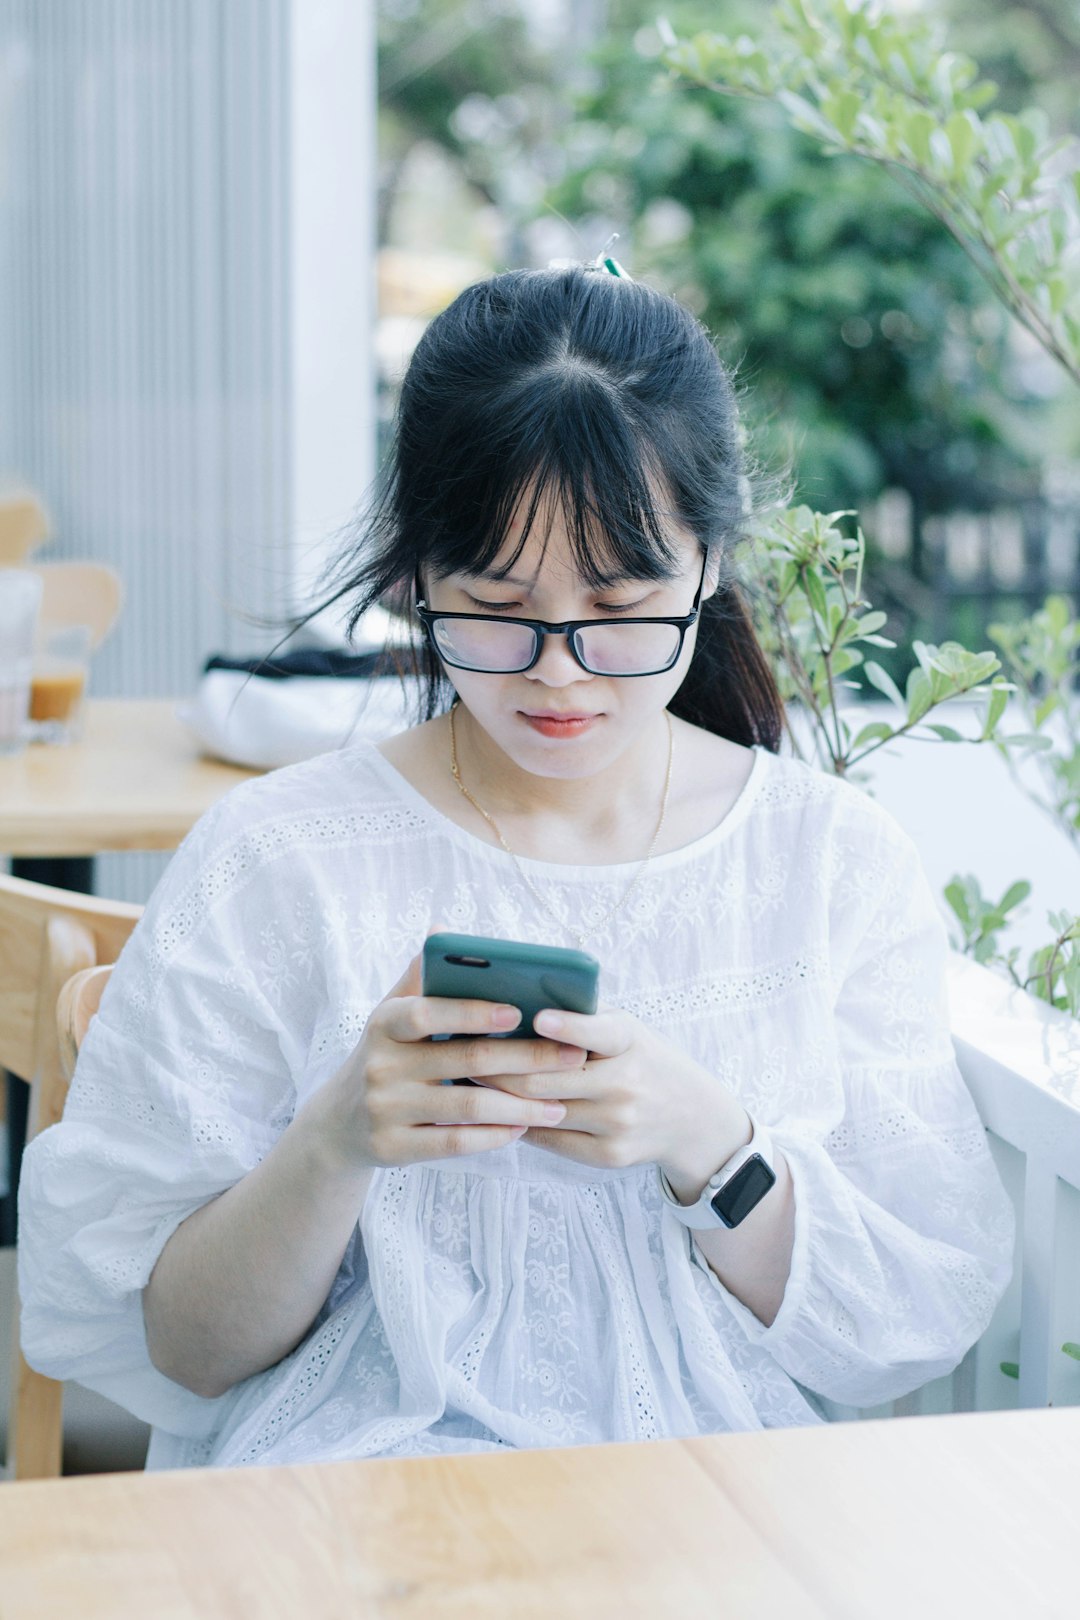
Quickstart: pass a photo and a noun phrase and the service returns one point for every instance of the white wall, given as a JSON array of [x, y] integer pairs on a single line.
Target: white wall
[[965, 813]]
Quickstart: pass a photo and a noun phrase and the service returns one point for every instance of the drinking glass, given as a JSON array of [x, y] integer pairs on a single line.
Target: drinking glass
[[58, 681]]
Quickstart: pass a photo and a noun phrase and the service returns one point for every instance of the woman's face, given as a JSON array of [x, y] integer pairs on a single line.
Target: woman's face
[[557, 719]]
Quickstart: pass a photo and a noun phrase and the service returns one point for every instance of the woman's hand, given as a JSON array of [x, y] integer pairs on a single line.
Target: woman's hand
[[634, 1098], [387, 1104]]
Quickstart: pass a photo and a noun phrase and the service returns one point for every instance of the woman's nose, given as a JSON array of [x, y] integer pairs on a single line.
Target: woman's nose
[[557, 665]]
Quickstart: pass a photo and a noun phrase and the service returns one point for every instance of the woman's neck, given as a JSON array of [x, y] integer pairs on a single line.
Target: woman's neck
[[619, 801]]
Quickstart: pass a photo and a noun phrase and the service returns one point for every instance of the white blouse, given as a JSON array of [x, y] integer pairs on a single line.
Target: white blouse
[[517, 1298]]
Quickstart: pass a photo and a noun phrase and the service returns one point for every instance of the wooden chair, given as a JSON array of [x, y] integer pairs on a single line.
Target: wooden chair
[[24, 525], [55, 948], [89, 593]]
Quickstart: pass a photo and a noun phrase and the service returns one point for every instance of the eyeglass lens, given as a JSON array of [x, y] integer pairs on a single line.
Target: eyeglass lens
[[606, 649]]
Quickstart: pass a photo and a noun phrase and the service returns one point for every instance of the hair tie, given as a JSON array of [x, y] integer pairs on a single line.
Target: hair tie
[[604, 262]]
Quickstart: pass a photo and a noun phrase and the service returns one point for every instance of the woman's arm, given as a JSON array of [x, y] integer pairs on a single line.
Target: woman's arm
[[903, 1233], [240, 1282], [877, 1258], [183, 1215]]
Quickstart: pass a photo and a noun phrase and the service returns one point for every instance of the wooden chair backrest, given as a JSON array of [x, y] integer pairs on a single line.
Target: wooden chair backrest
[[89, 593], [77, 1003], [46, 937], [24, 525]]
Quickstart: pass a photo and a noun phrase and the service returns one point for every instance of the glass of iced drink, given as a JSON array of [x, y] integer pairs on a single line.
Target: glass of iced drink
[[58, 685]]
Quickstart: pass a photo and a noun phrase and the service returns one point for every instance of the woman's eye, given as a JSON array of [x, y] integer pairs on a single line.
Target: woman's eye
[[489, 607]]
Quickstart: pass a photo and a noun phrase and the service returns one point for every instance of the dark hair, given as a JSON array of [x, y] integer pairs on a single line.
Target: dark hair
[[597, 392]]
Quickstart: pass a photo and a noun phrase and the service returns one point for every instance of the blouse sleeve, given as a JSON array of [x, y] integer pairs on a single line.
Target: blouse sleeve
[[180, 1089], [903, 1230]]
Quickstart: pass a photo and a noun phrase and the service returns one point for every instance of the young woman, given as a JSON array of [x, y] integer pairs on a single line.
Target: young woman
[[265, 1225]]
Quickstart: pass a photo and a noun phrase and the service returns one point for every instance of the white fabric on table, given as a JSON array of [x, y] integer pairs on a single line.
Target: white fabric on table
[[261, 722], [517, 1298]]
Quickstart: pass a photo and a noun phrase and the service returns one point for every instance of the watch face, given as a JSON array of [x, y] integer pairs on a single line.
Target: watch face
[[745, 1189]]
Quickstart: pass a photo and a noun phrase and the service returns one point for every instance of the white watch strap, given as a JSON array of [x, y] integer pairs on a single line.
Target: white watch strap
[[701, 1214]]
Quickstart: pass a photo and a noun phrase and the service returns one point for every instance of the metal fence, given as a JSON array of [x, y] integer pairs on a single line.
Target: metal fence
[[953, 574]]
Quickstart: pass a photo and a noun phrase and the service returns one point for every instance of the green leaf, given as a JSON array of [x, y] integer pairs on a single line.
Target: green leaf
[[805, 116], [878, 731], [847, 658], [883, 681], [870, 622], [1071, 1349], [964, 131], [1014, 894], [918, 127], [920, 696], [941, 152], [1057, 291], [842, 111], [1046, 708], [947, 733], [815, 593], [954, 894], [981, 94], [1000, 143], [995, 708], [1011, 1369]]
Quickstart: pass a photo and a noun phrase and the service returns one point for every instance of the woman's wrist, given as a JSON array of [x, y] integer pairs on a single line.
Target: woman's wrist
[[324, 1145], [699, 1157]]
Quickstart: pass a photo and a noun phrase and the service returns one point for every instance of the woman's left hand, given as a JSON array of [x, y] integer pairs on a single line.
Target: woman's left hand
[[636, 1099]]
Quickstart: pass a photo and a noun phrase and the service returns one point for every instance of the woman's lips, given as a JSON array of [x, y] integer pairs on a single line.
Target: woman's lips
[[560, 725]]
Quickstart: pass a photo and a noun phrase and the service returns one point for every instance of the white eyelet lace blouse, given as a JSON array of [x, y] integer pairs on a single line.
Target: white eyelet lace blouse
[[516, 1298]]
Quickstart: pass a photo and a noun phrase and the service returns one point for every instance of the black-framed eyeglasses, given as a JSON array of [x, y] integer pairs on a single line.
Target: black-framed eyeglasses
[[504, 646]]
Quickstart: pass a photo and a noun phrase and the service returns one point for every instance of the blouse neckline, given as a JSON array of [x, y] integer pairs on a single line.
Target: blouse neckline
[[723, 830]]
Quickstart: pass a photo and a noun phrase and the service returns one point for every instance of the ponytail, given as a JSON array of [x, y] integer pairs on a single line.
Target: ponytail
[[729, 688]]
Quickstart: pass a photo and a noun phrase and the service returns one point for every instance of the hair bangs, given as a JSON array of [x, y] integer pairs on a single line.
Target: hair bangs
[[571, 449]]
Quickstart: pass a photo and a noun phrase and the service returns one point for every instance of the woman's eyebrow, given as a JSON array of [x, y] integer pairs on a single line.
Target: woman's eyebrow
[[492, 576]]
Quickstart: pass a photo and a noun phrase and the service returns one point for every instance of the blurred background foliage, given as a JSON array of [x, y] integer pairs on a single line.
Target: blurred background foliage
[[872, 356], [870, 353]]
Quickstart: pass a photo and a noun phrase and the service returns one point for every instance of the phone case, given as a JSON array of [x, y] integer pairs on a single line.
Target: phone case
[[468, 967]]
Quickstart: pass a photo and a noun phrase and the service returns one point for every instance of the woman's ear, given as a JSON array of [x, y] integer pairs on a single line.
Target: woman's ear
[[712, 572]]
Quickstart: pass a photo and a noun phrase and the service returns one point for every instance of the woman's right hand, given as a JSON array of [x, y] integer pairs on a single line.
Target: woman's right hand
[[387, 1104]]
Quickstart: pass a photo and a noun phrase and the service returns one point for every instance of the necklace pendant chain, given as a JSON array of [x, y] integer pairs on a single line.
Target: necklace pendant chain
[[578, 938]]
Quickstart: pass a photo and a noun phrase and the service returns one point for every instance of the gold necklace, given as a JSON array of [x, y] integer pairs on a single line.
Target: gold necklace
[[579, 939]]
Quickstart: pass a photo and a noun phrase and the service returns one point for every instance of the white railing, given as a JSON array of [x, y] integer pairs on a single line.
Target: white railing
[[1021, 1062]]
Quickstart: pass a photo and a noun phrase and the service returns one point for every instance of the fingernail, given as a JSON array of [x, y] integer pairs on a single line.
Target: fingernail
[[553, 1112], [569, 1054], [547, 1023], [505, 1017]]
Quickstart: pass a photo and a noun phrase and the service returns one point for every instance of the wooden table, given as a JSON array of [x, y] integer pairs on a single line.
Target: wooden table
[[135, 781], [914, 1518]]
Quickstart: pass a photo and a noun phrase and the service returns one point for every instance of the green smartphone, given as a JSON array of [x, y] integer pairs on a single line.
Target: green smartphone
[[469, 967]]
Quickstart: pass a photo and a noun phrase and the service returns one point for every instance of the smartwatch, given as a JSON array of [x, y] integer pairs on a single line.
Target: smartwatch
[[736, 1188]]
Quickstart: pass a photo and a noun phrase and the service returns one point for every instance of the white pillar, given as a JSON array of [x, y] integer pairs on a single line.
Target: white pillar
[[332, 276]]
